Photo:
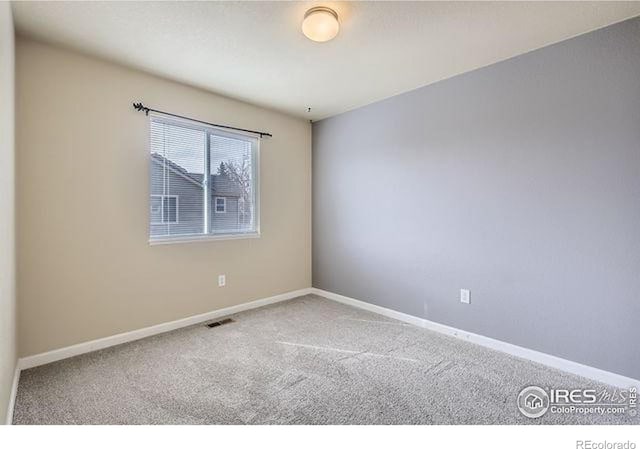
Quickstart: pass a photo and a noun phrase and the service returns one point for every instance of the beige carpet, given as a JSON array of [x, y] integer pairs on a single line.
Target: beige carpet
[[304, 361]]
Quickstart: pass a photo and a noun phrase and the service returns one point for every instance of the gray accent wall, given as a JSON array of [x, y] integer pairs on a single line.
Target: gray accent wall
[[519, 181]]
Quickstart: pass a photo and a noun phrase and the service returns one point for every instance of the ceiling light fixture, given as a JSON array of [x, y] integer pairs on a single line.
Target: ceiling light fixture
[[320, 24]]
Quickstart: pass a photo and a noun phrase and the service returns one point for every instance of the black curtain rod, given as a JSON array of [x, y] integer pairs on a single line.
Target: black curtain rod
[[141, 107]]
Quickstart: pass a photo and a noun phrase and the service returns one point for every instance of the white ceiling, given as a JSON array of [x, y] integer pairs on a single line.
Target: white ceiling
[[255, 51]]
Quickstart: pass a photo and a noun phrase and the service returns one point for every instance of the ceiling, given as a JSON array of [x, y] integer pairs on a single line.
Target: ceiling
[[255, 51]]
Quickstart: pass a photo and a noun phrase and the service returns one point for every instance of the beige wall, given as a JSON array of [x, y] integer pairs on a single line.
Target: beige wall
[[85, 269], [7, 211]]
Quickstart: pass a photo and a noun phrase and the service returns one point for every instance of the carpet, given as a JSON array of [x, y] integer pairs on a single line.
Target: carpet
[[308, 360]]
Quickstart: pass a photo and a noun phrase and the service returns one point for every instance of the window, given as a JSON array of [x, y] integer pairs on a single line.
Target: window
[[203, 182], [221, 204], [164, 209]]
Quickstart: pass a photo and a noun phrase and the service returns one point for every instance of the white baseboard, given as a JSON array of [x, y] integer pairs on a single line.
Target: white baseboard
[[94, 345], [370, 307], [518, 351], [579, 369], [13, 394]]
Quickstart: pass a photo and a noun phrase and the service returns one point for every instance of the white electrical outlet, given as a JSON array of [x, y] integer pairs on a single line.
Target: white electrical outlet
[[222, 280], [465, 296]]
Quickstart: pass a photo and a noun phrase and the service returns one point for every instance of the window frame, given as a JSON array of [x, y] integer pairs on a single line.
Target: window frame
[[224, 204], [162, 197], [255, 168]]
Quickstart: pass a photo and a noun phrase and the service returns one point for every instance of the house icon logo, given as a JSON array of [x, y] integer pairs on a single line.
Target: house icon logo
[[533, 402]]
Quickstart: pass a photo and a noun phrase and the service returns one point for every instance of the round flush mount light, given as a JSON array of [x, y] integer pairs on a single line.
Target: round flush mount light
[[320, 24]]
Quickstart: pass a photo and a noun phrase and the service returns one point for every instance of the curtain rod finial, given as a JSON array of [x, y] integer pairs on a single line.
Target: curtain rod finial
[[140, 107]]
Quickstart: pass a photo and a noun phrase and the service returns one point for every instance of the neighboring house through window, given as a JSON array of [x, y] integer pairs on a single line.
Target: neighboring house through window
[[203, 181]]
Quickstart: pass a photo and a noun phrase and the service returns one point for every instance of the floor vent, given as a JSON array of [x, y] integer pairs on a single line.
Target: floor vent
[[220, 323]]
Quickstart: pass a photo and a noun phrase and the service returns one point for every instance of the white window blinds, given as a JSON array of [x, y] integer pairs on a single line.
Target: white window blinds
[[203, 181]]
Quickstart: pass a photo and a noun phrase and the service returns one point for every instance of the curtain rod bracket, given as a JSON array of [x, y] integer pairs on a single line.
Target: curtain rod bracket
[[140, 107]]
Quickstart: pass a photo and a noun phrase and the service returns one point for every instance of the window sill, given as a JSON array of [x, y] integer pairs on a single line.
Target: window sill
[[201, 238]]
